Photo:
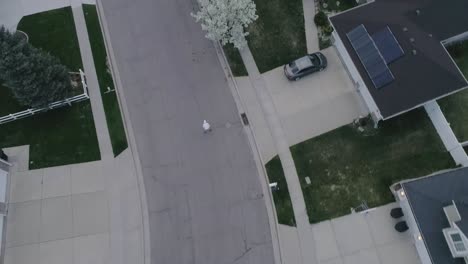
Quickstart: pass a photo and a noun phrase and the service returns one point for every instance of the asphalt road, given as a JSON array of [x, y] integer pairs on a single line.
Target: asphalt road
[[204, 195]]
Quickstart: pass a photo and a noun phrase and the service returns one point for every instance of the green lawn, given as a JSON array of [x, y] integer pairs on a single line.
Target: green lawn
[[347, 167], [283, 205], [278, 35], [110, 101], [455, 106], [235, 60], [54, 31], [8, 104], [61, 136]]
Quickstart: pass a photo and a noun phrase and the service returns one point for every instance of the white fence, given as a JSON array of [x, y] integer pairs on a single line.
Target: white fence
[[67, 101]]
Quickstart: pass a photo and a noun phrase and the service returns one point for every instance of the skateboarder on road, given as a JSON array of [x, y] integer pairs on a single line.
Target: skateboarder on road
[[206, 127]]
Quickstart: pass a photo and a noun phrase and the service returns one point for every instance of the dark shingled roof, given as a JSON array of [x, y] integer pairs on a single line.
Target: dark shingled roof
[[427, 197], [419, 78]]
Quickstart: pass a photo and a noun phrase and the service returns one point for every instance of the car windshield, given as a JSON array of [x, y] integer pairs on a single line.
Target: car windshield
[[315, 59], [293, 67]]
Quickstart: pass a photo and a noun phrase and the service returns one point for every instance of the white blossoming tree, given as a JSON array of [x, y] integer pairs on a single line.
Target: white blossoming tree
[[226, 20]]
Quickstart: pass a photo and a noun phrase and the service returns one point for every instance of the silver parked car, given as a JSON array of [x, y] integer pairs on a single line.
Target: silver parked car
[[306, 65]]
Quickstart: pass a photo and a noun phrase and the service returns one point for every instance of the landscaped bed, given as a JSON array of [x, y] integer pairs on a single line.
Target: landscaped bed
[[277, 37], [65, 135], [283, 205], [235, 60], [109, 99], [330, 7], [455, 106], [348, 167]]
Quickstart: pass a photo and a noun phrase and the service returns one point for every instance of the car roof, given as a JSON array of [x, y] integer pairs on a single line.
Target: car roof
[[303, 63]]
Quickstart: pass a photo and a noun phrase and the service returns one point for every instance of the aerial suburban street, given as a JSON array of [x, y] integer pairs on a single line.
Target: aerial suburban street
[[204, 194], [233, 132]]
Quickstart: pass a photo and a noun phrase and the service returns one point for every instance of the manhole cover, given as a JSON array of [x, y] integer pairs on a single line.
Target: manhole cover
[[228, 125]]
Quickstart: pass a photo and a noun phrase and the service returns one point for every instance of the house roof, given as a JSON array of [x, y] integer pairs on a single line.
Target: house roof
[[420, 77], [427, 198]]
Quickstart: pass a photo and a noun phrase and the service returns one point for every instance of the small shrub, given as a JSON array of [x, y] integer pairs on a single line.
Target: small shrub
[[327, 30], [321, 19], [324, 43]]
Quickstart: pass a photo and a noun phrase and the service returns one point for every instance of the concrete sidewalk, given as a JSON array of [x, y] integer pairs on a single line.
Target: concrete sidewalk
[[311, 30], [123, 196], [360, 238], [304, 231], [99, 116], [70, 214], [364, 238]]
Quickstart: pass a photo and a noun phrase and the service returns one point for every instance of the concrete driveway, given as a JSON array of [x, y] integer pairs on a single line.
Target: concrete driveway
[[67, 214], [307, 108], [367, 238]]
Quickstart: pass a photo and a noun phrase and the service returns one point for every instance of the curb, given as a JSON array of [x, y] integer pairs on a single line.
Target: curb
[[271, 209], [130, 135]]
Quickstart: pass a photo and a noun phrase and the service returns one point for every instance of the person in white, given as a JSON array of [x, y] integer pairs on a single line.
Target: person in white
[[206, 127]]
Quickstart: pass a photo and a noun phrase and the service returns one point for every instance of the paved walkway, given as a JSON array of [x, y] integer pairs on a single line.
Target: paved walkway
[[99, 116], [304, 231], [70, 214], [310, 27], [361, 238], [120, 250], [446, 133], [364, 238]]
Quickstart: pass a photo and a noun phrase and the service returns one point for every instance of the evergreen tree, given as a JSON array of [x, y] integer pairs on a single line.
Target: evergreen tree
[[35, 78]]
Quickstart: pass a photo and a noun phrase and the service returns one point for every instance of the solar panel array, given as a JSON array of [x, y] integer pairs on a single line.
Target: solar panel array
[[388, 45], [370, 56]]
